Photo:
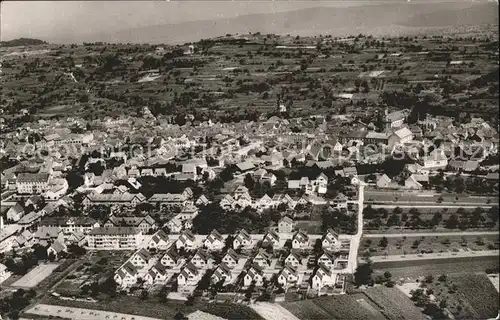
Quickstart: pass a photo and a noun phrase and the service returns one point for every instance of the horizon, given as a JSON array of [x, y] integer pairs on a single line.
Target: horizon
[[112, 22]]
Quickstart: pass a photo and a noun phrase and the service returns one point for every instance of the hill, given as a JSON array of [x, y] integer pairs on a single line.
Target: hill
[[22, 42], [387, 19]]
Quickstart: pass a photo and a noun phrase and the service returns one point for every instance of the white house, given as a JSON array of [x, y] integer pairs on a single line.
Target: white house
[[4, 273], [330, 239], [140, 258], [288, 276], [214, 241], [271, 238], [323, 277], [222, 272], [293, 259], [254, 274], [170, 259], [327, 259], [201, 259], [186, 240], [242, 239], [231, 258], [126, 275], [285, 225], [158, 241], [300, 240], [188, 275], [262, 259]]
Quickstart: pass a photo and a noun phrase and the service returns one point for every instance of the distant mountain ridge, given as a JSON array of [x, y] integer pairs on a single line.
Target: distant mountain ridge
[[22, 42], [378, 20]]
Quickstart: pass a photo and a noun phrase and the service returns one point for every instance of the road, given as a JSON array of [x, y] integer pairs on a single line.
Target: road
[[431, 234], [442, 255], [356, 239], [429, 206]]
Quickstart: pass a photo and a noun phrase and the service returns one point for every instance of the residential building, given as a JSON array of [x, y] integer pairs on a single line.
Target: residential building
[[189, 275], [69, 224], [300, 240], [146, 224], [330, 239], [242, 239], [253, 274], [323, 277], [185, 240], [159, 241], [126, 275], [288, 276], [32, 183], [140, 258], [222, 273], [170, 259], [285, 225], [231, 258], [114, 238], [214, 241]]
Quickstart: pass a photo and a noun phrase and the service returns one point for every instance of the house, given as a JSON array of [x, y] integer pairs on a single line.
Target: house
[[262, 259], [186, 240], [228, 202], [300, 240], [271, 238], [125, 199], [188, 275], [25, 240], [242, 239], [4, 273], [384, 181], [435, 160], [55, 249], [330, 239], [140, 258], [15, 212], [175, 225], [222, 273], [394, 119], [400, 136], [254, 274], [170, 259], [293, 259], [327, 259], [76, 238], [70, 224], [231, 258], [146, 224], [201, 259], [157, 273], [323, 277], [158, 241], [32, 183], [169, 200], [288, 276], [320, 183], [214, 241], [285, 225], [46, 235], [412, 183], [202, 201], [126, 275], [124, 238], [340, 202]]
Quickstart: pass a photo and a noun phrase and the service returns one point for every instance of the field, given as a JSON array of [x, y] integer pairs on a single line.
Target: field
[[394, 304], [153, 308], [414, 245], [376, 303], [79, 313], [35, 276], [418, 268], [468, 296]]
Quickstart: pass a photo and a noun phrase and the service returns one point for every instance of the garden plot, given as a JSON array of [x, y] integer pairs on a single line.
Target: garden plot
[[36, 275]]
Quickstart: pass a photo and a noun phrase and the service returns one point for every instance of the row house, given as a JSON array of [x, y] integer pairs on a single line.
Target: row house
[[114, 238], [145, 224], [32, 183], [169, 200], [125, 199], [242, 239]]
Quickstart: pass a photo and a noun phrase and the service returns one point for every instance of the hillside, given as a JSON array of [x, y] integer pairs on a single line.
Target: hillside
[[22, 42], [387, 19]]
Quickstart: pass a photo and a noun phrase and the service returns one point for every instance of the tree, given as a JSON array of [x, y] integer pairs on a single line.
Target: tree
[[387, 275], [452, 222], [249, 291], [393, 220], [383, 242], [363, 274], [249, 182]]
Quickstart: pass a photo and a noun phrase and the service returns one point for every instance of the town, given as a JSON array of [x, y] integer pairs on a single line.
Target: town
[[268, 195]]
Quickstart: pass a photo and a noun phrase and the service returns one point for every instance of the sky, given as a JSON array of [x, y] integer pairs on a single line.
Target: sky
[[53, 20], [48, 19]]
